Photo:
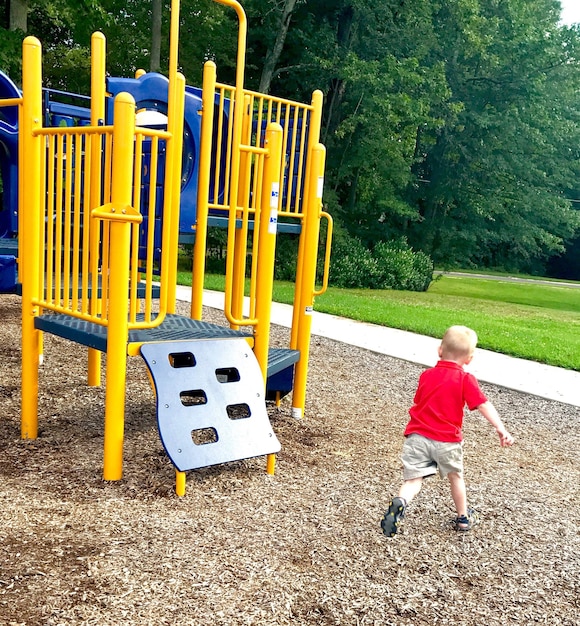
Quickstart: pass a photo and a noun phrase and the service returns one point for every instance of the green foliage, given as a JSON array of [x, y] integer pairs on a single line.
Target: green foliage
[[496, 173], [390, 265], [353, 265], [453, 123], [11, 54], [403, 267], [286, 255]]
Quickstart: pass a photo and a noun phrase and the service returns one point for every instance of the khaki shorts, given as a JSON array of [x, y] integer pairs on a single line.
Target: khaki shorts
[[424, 457]]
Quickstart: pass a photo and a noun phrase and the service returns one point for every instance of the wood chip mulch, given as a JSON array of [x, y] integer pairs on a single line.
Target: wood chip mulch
[[301, 547]]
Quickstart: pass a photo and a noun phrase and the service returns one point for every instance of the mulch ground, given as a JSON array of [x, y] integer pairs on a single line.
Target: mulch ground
[[301, 547]]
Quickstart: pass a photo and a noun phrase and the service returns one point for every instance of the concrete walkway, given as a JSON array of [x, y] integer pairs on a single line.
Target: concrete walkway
[[549, 382]]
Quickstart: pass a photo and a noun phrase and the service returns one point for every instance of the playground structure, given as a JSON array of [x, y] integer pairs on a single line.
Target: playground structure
[[99, 220]]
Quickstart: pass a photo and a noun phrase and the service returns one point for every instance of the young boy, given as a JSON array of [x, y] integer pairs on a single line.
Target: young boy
[[433, 437]]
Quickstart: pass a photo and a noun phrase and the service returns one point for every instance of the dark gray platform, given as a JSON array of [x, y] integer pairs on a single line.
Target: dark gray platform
[[173, 328]]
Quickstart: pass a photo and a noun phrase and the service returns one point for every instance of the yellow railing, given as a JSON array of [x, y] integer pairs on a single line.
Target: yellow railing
[[300, 124], [75, 269], [237, 198]]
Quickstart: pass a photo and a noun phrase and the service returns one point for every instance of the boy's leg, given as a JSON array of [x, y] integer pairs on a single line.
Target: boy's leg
[[418, 463], [410, 488], [466, 518], [458, 492], [396, 511]]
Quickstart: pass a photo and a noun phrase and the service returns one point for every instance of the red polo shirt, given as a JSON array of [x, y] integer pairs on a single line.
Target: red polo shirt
[[443, 391]]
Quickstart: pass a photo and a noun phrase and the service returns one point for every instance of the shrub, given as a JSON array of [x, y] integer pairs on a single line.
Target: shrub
[[402, 267], [390, 265], [353, 265], [286, 256]]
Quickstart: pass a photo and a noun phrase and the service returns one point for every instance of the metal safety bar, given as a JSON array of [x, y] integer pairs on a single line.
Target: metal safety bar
[[75, 268]]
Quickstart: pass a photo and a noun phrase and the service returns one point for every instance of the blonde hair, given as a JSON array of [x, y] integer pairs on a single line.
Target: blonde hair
[[458, 342]]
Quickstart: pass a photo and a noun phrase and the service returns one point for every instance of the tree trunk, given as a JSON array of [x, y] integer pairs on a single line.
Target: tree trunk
[[18, 15], [155, 64], [337, 86], [274, 52]]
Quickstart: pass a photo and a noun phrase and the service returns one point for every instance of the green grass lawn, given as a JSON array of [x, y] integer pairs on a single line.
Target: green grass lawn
[[540, 322]]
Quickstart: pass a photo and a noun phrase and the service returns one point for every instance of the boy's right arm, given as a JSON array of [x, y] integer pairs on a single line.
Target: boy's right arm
[[492, 416]]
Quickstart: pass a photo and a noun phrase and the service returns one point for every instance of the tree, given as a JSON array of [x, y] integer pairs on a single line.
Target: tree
[[495, 172], [156, 23], [18, 15], [275, 50], [453, 123]]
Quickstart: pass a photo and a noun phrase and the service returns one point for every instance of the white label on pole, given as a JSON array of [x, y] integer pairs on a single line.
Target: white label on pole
[[320, 187], [274, 194], [273, 222], [297, 413], [308, 310]]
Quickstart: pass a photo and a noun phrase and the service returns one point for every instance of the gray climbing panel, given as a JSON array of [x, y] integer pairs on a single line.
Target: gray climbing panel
[[211, 405]]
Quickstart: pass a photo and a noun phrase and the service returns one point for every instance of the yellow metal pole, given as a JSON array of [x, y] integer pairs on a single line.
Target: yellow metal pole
[[98, 69], [238, 107], [267, 244], [311, 231], [199, 247], [175, 113], [120, 244], [180, 481], [241, 239], [315, 124], [175, 154], [267, 251], [29, 237]]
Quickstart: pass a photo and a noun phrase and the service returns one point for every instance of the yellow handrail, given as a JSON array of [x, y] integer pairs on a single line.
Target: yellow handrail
[[10, 102], [326, 270]]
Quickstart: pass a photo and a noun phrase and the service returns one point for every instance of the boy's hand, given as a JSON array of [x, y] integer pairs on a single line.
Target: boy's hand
[[505, 439]]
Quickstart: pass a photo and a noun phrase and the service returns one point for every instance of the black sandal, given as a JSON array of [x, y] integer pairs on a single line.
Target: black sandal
[[464, 523]]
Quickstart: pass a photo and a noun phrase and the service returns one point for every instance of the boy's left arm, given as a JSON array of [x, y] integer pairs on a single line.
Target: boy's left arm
[[492, 416]]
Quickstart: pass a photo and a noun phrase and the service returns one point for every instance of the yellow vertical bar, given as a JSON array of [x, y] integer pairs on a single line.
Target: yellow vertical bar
[[151, 225], [302, 157], [267, 244], [42, 233], [30, 245], [58, 243], [241, 239], [67, 222], [180, 478], [315, 123], [170, 260], [259, 181], [310, 233], [84, 271], [98, 70], [172, 163], [20, 185], [80, 148], [135, 228], [218, 147], [267, 250], [238, 104], [290, 184], [49, 227], [200, 244], [120, 244]]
